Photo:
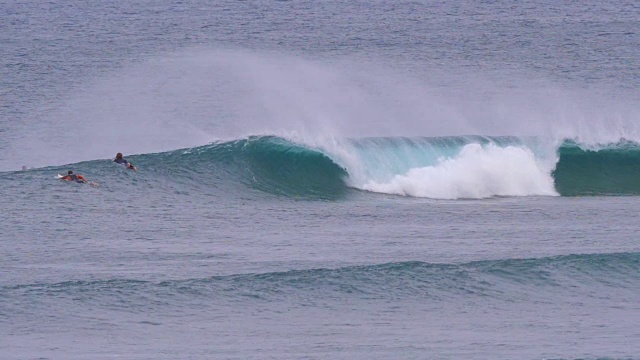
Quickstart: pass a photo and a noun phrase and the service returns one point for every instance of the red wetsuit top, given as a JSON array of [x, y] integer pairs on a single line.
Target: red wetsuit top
[[74, 177]]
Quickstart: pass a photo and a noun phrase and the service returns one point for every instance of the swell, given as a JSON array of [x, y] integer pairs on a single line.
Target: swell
[[508, 280]]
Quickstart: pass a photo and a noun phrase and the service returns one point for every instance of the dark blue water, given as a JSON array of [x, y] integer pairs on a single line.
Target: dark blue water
[[361, 180]]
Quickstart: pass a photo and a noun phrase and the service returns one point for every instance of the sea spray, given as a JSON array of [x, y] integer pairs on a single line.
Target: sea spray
[[196, 96]]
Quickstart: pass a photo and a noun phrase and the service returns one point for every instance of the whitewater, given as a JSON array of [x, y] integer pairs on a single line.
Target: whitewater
[[361, 180]]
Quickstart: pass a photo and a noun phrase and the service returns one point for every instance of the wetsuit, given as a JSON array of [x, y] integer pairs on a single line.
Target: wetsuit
[[124, 162], [74, 177]]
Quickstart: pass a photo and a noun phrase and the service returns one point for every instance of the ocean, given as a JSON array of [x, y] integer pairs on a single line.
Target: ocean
[[320, 179]]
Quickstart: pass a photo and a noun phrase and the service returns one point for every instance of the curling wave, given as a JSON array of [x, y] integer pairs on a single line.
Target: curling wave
[[439, 168]]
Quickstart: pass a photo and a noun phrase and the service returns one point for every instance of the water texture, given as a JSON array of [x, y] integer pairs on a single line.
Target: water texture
[[320, 180]]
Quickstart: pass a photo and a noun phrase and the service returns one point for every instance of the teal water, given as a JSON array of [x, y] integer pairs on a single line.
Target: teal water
[[362, 180], [284, 167]]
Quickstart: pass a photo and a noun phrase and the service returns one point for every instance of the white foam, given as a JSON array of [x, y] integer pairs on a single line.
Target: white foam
[[477, 172]]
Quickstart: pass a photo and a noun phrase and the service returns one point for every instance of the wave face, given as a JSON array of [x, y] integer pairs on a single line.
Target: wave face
[[266, 163], [610, 170]]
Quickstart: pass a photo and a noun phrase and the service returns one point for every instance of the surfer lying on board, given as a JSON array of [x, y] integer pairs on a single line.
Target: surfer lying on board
[[77, 178], [120, 160], [73, 177]]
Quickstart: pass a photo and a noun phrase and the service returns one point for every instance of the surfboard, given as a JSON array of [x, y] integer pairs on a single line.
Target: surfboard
[[59, 176]]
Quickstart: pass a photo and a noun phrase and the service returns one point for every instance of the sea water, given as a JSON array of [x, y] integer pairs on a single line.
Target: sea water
[[356, 180]]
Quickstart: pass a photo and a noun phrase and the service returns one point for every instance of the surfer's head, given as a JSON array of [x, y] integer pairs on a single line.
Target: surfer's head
[[69, 172], [119, 156]]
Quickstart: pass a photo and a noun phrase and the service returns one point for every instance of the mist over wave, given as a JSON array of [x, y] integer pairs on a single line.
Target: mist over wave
[[197, 96]]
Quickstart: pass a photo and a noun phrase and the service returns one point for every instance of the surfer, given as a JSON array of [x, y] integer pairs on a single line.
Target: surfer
[[73, 177], [77, 178], [120, 160]]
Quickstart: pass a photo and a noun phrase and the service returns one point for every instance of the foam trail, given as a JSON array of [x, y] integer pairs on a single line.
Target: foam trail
[[478, 171]]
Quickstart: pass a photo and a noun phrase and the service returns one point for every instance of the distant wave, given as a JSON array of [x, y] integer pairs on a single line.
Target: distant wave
[[509, 280], [440, 168]]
